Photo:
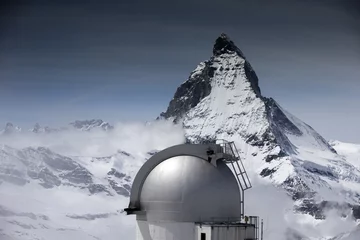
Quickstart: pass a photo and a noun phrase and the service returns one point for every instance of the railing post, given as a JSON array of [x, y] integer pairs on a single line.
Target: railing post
[[262, 230]]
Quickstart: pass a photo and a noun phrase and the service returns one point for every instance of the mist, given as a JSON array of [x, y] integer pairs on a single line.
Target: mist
[[272, 204], [275, 207], [136, 137], [71, 212]]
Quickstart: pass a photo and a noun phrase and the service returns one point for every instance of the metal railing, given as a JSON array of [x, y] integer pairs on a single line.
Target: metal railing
[[229, 148], [254, 220], [246, 220], [237, 166]]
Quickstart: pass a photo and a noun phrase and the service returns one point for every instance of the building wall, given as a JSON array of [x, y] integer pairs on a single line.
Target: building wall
[[165, 230], [189, 231], [205, 229], [232, 233]]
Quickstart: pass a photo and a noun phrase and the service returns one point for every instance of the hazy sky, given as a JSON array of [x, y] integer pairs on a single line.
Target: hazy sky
[[61, 61]]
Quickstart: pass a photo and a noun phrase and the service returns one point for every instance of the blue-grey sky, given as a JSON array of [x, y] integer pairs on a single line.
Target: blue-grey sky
[[118, 60]]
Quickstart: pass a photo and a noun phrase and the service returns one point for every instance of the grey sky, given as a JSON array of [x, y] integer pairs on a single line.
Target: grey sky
[[61, 61]]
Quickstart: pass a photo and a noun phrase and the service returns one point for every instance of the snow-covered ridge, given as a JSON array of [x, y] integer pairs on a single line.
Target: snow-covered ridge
[[51, 170], [87, 125], [81, 125], [74, 184]]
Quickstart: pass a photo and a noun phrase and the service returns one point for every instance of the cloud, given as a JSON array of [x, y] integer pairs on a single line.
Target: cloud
[[275, 207], [272, 204], [135, 137], [97, 215]]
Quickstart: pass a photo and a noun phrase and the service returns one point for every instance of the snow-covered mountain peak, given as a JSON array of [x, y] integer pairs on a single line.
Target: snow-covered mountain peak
[[223, 44], [222, 100], [87, 125], [217, 83], [224, 47], [39, 129], [10, 128]]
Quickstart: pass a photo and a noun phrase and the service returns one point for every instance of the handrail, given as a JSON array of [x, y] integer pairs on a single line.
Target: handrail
[[229, 149]]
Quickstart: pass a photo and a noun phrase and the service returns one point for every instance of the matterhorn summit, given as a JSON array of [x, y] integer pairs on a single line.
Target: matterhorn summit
[[222, 100]]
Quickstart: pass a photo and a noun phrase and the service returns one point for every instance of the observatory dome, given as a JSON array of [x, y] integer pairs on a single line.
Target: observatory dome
[[185, 188]]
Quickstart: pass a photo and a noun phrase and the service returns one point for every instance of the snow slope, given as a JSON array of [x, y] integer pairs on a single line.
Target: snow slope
[[31, 212], [350, 151], [78, 184], [44, 195], [353, 235]]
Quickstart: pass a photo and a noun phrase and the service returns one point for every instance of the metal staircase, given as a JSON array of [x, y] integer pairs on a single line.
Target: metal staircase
[[237, 166]]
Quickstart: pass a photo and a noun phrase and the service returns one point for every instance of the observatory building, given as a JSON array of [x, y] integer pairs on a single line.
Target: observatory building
[[192, 192]]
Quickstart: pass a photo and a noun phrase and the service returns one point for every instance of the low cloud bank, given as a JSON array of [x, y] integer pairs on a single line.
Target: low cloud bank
[[129, 137], [270, 203], [275, 207]]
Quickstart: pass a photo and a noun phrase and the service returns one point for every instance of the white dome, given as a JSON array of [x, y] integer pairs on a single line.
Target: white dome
[[185, 188], [189, 189]]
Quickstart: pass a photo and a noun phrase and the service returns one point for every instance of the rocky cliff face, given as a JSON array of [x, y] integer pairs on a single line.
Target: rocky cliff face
[[222, 100]]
